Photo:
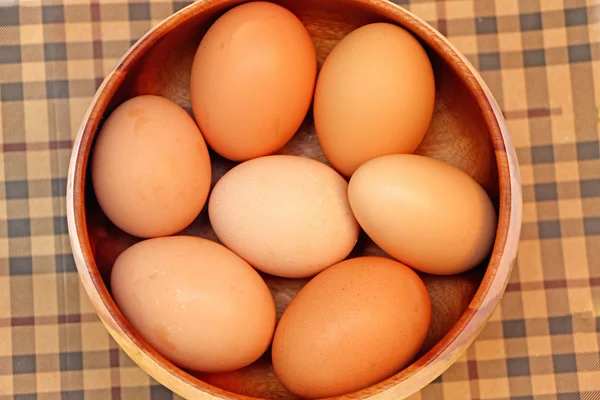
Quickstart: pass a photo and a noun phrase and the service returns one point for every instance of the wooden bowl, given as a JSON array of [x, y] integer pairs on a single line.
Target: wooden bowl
[[467, 130]]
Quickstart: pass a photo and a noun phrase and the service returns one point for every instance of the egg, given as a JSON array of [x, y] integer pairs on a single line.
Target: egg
[[252, 81], [374, 96], [151, 170], [197, 303], [353, 325], [285, 215], [423, 212]]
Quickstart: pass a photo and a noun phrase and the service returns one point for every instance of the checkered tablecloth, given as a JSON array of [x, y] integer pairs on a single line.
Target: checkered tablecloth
[[541, 58]]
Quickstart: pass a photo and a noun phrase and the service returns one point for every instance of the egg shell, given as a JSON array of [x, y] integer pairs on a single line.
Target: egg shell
[[252, 81], [353, 325], [286, 215], [374, 96], [151, 170], [423, 212], [197, 303]]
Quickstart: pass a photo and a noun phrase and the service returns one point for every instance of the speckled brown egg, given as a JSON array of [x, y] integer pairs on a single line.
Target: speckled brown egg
[[353, 325]]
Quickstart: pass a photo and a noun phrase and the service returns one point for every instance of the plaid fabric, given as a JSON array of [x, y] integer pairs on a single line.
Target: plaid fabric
[[539, 57]]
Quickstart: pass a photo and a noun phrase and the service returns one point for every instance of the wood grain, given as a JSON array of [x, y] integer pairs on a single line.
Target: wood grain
[[450, 297], [257, 380], [467, 130], [455, 132]]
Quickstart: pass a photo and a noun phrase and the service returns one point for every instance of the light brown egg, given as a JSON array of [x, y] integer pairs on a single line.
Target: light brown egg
[[423, 212], [197, 303], [286, 215], [374, 96], [252, 80], [151, 170], [353, 325]]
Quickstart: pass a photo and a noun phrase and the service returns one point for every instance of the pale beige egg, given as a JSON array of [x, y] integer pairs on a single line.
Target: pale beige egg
[[286, 215]]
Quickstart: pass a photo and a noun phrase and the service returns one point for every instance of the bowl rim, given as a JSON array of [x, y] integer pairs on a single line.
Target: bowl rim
[[406, 382]]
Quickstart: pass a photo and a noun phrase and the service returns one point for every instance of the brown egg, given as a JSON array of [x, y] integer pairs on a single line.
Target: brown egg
[[252, 80], [374, 96], [423, 212], [353, 325], [197, 303], [286, 215], [150, 167]]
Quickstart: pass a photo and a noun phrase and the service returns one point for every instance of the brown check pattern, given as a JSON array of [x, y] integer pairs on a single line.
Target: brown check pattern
[[541, 59]]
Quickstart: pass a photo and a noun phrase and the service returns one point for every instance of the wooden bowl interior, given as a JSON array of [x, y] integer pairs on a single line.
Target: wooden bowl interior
[[458, 135]]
